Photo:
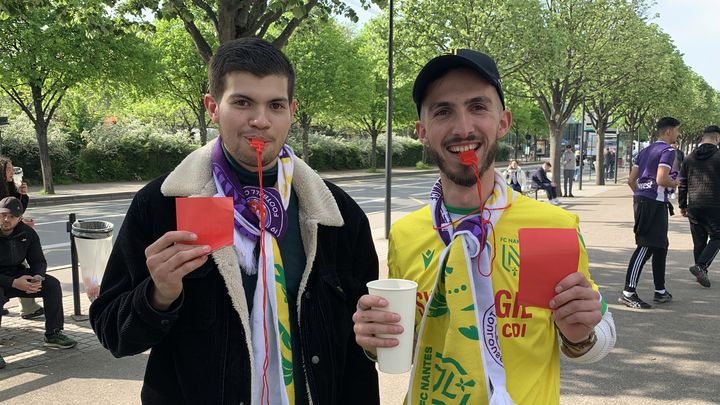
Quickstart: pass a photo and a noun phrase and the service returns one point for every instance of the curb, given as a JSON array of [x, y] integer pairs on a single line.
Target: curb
[[64, 199], [44, 201]]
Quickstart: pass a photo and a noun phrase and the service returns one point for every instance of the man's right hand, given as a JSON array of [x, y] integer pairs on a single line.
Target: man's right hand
[[370, 321], [168, 261], [27, 284]]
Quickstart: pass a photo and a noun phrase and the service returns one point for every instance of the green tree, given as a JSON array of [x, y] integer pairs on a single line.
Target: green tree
[[50, 46], [369, 114], [184, 74], [527, 120], [564, 51], [660, 67], [629, 60], [275, 20], [327, 71]]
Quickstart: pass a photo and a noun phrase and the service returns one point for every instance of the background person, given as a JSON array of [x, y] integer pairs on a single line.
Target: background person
[[29, 309], [515, 176], [20, 243], [699, 201], [651, 180], [541, 180], [567, 161]]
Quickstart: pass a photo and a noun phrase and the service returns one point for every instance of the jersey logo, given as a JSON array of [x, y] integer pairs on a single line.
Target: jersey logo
[[510, 256], [452, 381], [427, 257]]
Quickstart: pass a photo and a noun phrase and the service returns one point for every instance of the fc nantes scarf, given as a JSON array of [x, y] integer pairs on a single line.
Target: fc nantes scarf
[[274, 316], [457, 356]]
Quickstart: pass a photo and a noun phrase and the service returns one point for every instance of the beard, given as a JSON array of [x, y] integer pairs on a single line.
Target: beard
[[465, 175]]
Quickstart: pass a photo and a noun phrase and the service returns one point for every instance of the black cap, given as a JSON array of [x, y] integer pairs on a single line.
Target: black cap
[[12, 206], [711, 129], [459, 58]]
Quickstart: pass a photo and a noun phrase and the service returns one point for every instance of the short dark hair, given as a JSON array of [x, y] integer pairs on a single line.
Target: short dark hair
[[712, 129], [665, 123], [252, 55], [547, 163]]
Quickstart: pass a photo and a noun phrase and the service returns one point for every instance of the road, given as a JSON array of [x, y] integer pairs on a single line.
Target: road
[[409, 192]]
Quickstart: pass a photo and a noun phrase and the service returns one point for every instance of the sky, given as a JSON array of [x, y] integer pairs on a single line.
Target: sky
[[695, 30], [693, 25]]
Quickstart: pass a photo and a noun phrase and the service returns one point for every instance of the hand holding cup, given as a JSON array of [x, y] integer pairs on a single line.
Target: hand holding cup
[[384, 323]]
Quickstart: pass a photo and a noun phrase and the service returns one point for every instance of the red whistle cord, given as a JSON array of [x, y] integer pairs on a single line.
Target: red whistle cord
[[469, 158], [259, 145]]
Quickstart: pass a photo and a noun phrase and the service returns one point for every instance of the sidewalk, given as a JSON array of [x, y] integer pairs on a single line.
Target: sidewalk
[[666, 355]]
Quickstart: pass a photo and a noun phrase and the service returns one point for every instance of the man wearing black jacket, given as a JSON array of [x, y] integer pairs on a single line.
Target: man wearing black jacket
[[541, 180], [699, 200], [18, 243], [251, 323]]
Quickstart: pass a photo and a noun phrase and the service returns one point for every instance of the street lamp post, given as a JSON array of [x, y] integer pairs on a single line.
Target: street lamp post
[[388, 137]]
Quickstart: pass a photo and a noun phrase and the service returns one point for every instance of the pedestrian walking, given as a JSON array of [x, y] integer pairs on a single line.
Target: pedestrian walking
[[699, 201], [652, 180]]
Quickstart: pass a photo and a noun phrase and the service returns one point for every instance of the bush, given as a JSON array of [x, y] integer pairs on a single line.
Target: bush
[[421, 166], [338, 153], [503, 152], [130, 151], [19, 143]]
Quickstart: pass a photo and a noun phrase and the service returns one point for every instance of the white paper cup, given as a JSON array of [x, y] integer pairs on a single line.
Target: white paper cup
[[17, 176], [400, 295]]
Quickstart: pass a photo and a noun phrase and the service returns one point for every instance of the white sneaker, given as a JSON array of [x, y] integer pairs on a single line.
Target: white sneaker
[[555, 202]]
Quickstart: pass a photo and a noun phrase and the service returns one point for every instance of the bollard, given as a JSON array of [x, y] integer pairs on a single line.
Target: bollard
[[75, 278]]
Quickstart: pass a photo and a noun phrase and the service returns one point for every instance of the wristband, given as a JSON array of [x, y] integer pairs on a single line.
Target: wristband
[[582, 346]]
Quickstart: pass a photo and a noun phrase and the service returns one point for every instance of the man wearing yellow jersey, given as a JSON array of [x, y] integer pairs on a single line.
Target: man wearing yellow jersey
[[474, 342]]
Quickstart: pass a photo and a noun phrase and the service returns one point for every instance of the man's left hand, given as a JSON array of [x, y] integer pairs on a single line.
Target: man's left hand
[[576, 307]]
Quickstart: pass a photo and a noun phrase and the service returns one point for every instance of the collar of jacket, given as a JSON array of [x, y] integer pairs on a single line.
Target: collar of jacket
[[317, 206]]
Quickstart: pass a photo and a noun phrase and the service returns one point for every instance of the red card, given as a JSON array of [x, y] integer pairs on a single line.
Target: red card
[[546, 256], [210, 218]]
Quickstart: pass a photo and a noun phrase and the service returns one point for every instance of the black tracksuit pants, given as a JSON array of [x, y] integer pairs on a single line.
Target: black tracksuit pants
[[704, 224]]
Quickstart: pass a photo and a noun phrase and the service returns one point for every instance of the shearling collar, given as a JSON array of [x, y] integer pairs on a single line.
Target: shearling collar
[[193, 177]]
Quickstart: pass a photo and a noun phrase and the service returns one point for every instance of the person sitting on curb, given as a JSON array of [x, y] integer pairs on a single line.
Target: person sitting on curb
[[541, 180], [19, 242], [29, 309]]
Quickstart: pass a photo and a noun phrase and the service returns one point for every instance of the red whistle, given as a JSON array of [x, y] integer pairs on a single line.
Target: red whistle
[[468, 158], [257, 144]]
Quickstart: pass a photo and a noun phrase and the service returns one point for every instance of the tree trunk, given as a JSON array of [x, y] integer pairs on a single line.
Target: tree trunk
[[202, 127], [46, 167], [305, 126], [373, 149], [600, 157], [555, 136]]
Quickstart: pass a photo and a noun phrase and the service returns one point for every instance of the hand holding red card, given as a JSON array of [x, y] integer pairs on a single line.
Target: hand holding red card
[[547, 255], [210, 218]]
